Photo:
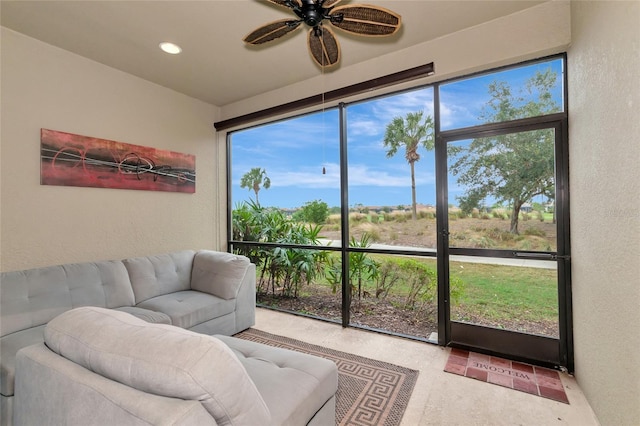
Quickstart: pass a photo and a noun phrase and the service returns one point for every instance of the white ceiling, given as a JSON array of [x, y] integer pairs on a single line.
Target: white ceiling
[[215, 65]]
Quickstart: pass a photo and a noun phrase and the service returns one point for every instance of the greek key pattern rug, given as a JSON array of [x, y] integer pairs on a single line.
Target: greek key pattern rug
[[370, 392]]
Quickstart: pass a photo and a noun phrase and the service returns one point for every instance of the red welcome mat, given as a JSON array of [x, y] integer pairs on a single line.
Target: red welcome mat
[[511, 374]]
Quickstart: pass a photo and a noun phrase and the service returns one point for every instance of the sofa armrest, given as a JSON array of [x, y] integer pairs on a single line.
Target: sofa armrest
[[50, 389], [246, 300], [218, 273]]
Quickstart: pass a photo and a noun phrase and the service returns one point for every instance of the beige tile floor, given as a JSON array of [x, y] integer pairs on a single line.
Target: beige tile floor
[[438, 398]]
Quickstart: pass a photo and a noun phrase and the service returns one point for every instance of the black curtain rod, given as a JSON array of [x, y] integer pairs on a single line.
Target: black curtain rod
[[366, 86]]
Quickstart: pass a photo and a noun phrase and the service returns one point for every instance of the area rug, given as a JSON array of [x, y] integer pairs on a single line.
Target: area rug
[[511, 374], [370, 392]]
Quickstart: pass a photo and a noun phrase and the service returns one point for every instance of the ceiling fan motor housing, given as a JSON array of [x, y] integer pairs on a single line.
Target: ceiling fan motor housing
[[312, 12]]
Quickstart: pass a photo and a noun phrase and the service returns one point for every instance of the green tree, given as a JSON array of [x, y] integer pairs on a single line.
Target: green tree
[[316, 211], [255, 178], [362, 268], [513, 167], [411, 132]]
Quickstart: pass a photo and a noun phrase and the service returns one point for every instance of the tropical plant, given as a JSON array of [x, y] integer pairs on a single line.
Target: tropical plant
[[247, 220], [362, 268], [333, 272], [410, 132], [280, 268], [254, 179]]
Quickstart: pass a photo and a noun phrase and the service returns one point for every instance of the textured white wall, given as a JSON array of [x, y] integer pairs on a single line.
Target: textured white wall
[[46, 87], [604, 138]]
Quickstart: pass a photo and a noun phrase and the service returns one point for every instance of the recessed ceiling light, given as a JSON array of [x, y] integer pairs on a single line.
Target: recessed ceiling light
[[171, 48]]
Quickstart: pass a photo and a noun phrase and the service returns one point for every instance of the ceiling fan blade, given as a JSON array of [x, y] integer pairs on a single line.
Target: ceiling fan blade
[[271, 31], [365, 20], [330, 3], [323, 46], [284, 3]]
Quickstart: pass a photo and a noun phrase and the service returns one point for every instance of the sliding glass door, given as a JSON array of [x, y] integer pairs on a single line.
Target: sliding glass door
[[438, 213]]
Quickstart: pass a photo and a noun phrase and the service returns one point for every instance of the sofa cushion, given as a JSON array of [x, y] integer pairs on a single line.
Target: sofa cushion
[[294, 385], [146, 314], [9, 346], [159, 359], [153, 276], [52, 390], [218, 273], [189, 308], [33, 297]]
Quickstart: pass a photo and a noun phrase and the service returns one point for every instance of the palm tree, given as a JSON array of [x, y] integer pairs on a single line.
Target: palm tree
[[253, 179], [411, 132]]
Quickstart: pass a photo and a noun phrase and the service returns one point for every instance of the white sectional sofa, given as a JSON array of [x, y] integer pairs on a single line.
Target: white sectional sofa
[[162, 307], [205, 291], [103, 367]]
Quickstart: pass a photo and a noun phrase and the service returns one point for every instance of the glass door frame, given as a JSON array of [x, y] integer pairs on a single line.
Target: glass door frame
[[559, 352], [526, 347]]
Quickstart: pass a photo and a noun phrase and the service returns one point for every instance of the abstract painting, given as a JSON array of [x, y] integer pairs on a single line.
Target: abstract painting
[[74, 160]]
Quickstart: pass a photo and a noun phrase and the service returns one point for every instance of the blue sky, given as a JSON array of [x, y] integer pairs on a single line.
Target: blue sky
[[293, 152]]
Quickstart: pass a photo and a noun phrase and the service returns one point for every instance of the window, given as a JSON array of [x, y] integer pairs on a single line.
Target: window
[[310, 208]]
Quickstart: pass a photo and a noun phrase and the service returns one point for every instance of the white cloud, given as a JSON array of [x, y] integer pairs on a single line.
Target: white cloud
[[359, 175], [364, 126], [386, 109]]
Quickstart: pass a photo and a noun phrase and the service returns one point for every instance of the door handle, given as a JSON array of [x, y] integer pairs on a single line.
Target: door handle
[[545, 256]]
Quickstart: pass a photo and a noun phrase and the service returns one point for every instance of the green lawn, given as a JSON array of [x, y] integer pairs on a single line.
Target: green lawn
[[497, 292], [507, 293], [487, 294]]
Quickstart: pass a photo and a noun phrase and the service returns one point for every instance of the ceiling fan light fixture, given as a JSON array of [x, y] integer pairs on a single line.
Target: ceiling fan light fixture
[[170, 48], [360, 19]]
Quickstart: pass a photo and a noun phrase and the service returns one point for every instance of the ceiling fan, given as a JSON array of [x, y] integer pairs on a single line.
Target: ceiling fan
[[358, 19]]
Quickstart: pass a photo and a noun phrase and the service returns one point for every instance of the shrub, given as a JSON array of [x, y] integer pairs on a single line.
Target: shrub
[[422, 214], [537, 232], [290, 268], [357, 218], [316, 211], [526, 245], [483, 242], [333, 218], [500, 235], [387, 278]]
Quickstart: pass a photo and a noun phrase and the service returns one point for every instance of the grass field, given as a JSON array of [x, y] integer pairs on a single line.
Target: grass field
[[504, 295], [509, 297], [515, 298]]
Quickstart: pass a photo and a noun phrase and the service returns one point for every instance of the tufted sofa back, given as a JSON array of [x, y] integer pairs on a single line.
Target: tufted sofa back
[[33, 297], [153, 276]]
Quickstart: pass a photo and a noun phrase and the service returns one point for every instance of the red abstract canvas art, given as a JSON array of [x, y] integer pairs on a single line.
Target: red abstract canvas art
[[75, 160]]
